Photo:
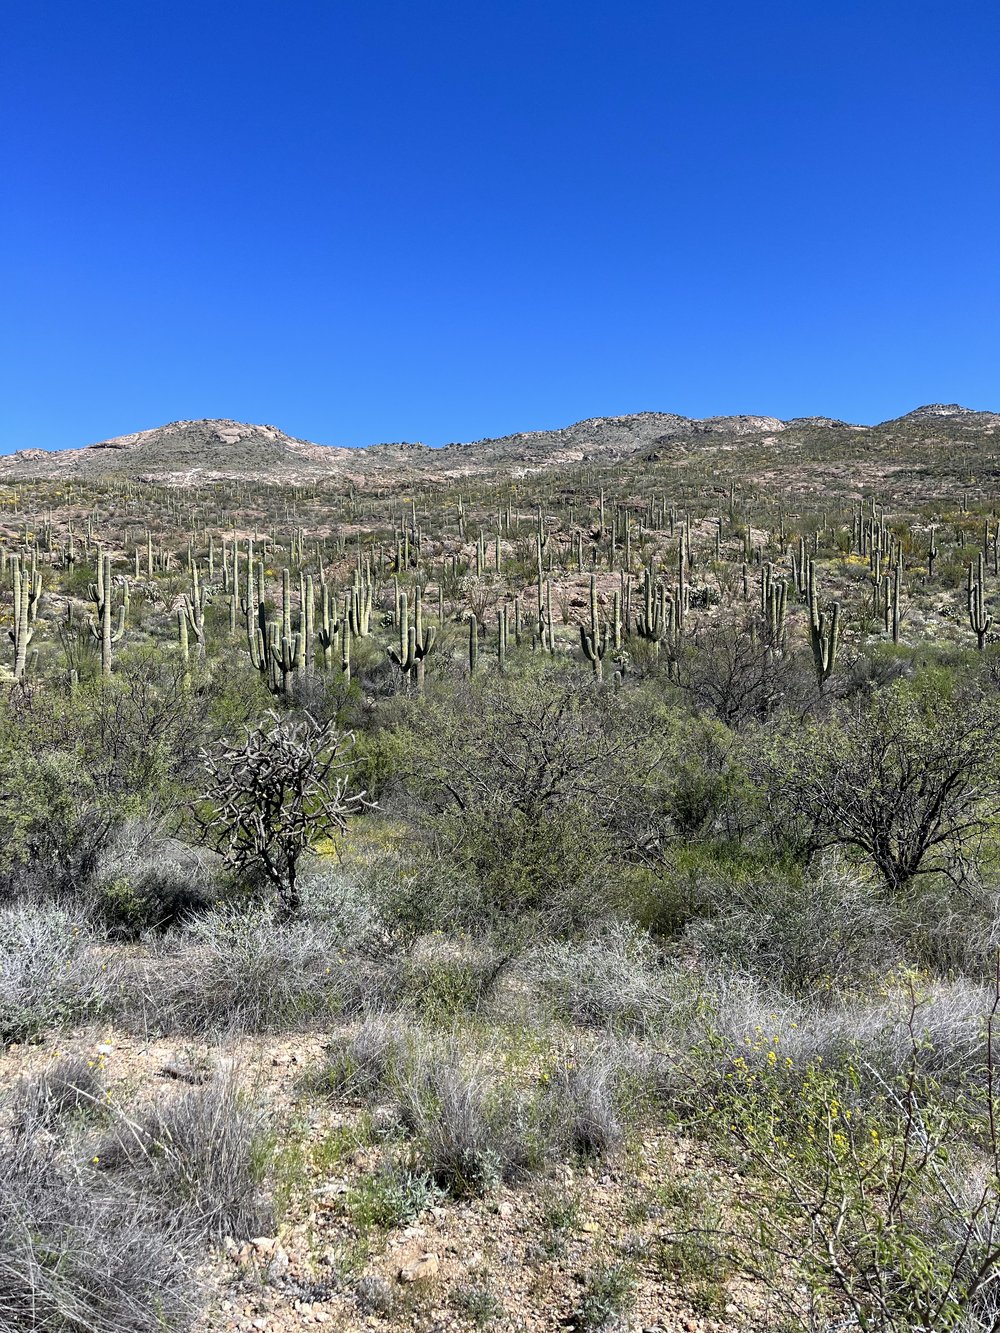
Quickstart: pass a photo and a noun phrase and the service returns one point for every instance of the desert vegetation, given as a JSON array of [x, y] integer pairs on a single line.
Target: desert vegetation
[[556, 900]]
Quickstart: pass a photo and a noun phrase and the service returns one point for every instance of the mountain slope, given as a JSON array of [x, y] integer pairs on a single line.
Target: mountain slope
[[184, 452]]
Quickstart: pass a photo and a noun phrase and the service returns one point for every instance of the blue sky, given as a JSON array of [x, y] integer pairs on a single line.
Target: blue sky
[[439, 221]]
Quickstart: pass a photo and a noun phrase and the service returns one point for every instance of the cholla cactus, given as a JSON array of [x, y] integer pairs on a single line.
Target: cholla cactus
[[269, 798]]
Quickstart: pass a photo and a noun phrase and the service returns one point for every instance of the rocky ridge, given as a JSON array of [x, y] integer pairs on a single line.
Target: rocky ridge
[[185, 452]]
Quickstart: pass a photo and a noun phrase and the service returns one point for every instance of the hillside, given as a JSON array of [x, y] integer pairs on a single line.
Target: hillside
[[460, 894], [185, 452]]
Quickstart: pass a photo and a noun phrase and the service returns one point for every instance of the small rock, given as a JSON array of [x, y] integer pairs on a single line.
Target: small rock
[[104, 1048], [419, 1270], [505, 1209]]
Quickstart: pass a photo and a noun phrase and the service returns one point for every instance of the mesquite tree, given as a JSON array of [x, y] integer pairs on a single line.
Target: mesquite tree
[[909, 780], [269, 798]]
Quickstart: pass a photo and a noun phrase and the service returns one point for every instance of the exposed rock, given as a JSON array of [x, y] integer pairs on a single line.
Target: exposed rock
[[420, 1269]]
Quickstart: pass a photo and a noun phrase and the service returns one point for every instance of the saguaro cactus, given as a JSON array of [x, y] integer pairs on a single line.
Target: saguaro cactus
[[415, 642], [773, 604], [649, 621], [193, 611], [824, 631], [594, 640], [979, 619], [27, 587], [100, 595], [328, 628]]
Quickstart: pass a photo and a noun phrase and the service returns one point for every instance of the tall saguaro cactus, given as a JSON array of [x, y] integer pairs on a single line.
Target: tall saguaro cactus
[[415, 642], [594, 640], [100, 595], [824, 630], [649, 622], [27, 587], [193, 611], [979, 619]]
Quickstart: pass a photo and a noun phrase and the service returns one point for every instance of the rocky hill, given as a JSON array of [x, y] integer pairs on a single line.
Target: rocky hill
[[184, 452]]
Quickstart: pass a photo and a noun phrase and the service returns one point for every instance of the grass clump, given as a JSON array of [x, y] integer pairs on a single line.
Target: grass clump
[[607, 1301], [202, 1155], [72, 1084], [80, 1253], [53, 972]]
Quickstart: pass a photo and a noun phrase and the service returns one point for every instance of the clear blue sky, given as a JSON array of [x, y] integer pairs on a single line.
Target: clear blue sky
[[434, 220]]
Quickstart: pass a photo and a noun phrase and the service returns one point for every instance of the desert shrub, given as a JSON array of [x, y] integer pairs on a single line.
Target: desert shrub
[[616, 978], [506, 870], [79, 767], [72, 1083], [471, 1122], [366, 1062], [201, 1155], [728, 668], [374, 1295], [478, 1301], [520, 778], [882, 1213], [52, 971], [443, 977], [608, 1299], [744, 1035], [586, 1092], [145, 880], [826, 927], [76, 1253], [390, 1197], [907, 781], [469, 1129], [238, 968], [952, 929]]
